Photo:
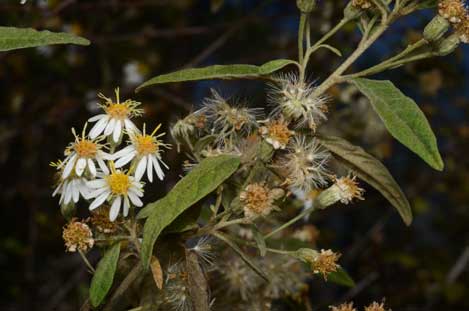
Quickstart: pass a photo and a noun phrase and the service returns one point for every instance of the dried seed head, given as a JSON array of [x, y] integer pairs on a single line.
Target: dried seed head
[[325, 262], [452, 10], [259, 200], [77, 236], [362, 4], [100, 220], [376, 307], [344, 190], [343, 307], [277, 133], [295, 100], [305, 164], [462, 29]]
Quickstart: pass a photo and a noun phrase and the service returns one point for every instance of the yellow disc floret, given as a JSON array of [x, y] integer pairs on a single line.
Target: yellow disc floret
[[85, 148], [146, 144], [118, 111], [119, 183]]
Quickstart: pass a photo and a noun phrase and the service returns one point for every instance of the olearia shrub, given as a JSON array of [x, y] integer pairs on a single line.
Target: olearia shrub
[[231, 234]]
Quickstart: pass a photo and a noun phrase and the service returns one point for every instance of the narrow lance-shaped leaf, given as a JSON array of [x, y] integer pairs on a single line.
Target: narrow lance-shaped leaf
[[239, 71], [403, 119], [201, 181], [12, 38], [104, 275], [370, 170], [341, 277]]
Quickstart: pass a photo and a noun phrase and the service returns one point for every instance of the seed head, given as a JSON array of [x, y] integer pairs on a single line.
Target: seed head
[[295, 100], [462, 29], [100, 220], [362, 4], [452, 10], [325, 262], [343, 307], [77, 236], [258, 199], [344, 190], [305, 164], [277, 133], [376, 307]]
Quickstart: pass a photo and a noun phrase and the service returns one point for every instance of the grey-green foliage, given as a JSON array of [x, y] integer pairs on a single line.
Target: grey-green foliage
[[240, 71], [12, 38], [370, 170], [104, 275], [201, 181], [403, 119]]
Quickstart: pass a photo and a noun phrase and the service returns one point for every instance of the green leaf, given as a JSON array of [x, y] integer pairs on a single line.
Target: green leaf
[[403, 119], [219, 72], [370, 170], [104, 275], [201, 181], [12, 38], [341, 277]]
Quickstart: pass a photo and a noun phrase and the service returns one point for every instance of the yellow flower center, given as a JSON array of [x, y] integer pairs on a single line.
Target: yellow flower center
[[86, 148], [146, 144], [118, 111], [119, 183]]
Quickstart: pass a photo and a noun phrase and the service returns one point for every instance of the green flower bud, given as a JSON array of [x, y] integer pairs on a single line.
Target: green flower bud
[[306, 6], [306, 254], [448, 45], [436, 28], [351, 12]]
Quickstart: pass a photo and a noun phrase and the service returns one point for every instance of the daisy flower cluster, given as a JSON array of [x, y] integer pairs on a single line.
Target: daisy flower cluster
[[108, 164]]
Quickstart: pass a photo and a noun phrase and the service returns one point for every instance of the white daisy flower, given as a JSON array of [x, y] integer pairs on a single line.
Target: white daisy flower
[[119, 188], [81, 156], [71, 188], [294, 100], [116, 118], [146, 150]]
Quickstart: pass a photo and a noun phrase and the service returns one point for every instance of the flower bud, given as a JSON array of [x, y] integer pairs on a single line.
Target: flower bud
[[448, 45], [306, 6], [436, 28], [344, 190]]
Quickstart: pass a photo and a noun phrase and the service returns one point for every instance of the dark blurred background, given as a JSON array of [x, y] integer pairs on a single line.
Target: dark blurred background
[[46, 91]]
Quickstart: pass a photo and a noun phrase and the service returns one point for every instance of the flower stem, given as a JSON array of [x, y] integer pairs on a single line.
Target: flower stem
[[290, 222], [87, 263]]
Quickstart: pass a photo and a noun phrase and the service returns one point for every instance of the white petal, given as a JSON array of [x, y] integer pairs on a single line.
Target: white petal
[[117, 131], [105, 155], [75, 191], [115, 208], [98, 192], [125, 159], [158, 169], [68, 168], [80, 167], [135, 199], [97, 117], [126, 206], [99, 200], [142, 164], [92, 167], [110, 127], [130, 127], [102, 166], [150, 168], [57, 190], [99, 127], [123, 152], [68, 193], [97, 183], [136, 191]]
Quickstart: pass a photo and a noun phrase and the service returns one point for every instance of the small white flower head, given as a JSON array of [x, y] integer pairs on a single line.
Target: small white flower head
[[82, 154], [228, 120], [344, 190], [295, 100], [343, 307], [146, 150], [117, 116], [71, 188], [277, 133], [453, 10], [119, 188], [77, 236], [305, 164], [325, 263], [258, 199]]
